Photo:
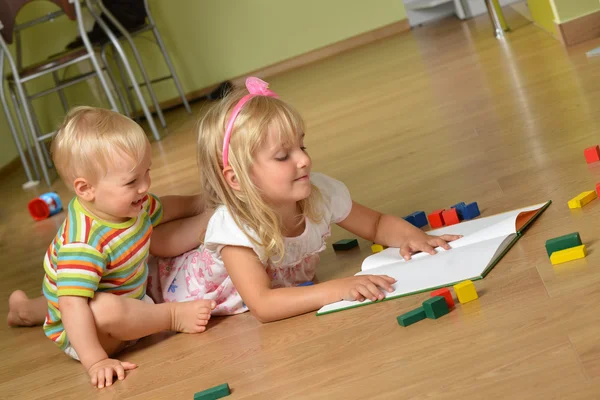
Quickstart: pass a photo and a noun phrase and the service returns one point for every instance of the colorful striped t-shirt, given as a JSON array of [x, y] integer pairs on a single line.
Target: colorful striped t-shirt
[[89, 255]]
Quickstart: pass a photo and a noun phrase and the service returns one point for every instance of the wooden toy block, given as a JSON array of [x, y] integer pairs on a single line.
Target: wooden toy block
[[574, 253], [307, 283], [598, 188], [345, 244], [471, 211], [592, 154], [445, 293], [563, 242], [411, 317], [420, 219], [376, 248], [450, 217], [410, 219], [465, 291], [435, 219], [459, 209], [213, 393], [582, 199], [435, 307]]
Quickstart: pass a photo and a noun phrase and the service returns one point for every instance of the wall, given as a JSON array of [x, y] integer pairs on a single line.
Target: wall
[[214, 40], [566, 10]]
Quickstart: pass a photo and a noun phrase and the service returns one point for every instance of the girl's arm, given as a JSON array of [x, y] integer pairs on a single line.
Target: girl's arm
[[176, 237], [392, 231], [175, 207], [266, 304]]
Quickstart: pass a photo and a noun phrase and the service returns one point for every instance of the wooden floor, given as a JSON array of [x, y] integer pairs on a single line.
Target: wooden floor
[[442, 114]]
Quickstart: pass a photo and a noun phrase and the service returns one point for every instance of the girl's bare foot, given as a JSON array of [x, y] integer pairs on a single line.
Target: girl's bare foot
[[23, 311], [192, 316]]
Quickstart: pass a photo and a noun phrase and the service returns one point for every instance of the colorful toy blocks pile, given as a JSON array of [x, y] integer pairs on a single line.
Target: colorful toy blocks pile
[[440, 303], [456, 213], [565, 248]]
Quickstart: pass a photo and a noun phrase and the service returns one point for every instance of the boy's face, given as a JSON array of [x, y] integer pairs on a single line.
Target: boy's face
[[118, 196]]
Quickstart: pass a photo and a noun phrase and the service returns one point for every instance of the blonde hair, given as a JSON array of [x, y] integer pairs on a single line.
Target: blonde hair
[[247, 207], [89, 139]]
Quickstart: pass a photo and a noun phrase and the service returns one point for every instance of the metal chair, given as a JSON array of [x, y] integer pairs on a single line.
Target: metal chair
[[129, 36], [20, 75]]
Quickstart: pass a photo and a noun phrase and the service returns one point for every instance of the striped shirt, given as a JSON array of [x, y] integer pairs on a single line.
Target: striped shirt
[[89, 255]]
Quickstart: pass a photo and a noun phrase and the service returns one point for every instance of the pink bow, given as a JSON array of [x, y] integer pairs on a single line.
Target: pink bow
[[256, 87]]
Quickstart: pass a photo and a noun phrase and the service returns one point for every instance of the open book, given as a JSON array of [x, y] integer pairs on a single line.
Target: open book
[[485, 241]]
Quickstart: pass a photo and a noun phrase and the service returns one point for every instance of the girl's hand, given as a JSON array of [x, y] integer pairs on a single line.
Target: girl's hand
[[101, 373], [363, 287], [420, 241]]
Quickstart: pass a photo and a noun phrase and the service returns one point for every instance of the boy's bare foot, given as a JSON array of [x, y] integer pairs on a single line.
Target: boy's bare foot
[[23, 311], [192, 316]]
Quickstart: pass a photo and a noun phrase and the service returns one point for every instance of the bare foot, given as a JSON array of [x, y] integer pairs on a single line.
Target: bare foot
[[23, 311], [192, 316]]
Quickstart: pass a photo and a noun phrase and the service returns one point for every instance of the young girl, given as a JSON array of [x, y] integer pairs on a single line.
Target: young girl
[[272, 217]]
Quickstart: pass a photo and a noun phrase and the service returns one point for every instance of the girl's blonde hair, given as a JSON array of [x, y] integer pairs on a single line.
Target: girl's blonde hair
[[247, 207], [90, 138]]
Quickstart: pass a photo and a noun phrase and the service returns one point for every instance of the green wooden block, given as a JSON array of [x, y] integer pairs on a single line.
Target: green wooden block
[[213, 393], [563, 243], [411, 317], [435, 307], [345, 244]]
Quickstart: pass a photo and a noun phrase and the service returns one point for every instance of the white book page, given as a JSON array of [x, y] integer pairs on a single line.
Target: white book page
[[473, 231], [445, 268]]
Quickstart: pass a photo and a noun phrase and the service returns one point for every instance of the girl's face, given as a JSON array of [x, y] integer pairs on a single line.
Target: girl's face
[[282, 172]]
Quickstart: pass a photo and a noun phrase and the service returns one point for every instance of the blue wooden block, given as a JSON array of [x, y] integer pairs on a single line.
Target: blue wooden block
[[420, 219], [460, 207], [410, 219], [471, 211], [309, 283]]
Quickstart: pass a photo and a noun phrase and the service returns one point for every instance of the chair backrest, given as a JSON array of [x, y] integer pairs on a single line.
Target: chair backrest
[[10, 8]]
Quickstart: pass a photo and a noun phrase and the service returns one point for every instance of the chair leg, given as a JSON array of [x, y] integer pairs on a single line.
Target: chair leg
[[11, 124], [91, 52], [126, 87], [61, 93], [28, 117], [138, 59], [38, 128], [123, 57], [24, 131], [113, 80], [163, 50]]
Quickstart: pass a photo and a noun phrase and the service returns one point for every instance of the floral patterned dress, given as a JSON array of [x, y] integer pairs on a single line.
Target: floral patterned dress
[[201, 274]]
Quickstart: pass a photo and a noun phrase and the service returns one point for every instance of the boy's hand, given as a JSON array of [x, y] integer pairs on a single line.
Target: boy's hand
[[102, 372], [361, 287], [420, 241]]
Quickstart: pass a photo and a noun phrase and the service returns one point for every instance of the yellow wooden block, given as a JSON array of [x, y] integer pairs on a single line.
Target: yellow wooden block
[[574, 253], [376, 248], [582, 199], [465, 291]]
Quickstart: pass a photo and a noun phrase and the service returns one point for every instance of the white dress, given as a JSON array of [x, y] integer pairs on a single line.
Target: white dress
[[200, 273]]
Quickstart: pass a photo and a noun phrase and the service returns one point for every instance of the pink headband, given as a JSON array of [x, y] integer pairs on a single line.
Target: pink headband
[[256, 87]]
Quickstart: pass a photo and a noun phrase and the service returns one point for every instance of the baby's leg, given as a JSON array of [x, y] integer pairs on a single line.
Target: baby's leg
[[124, 319], [23, 311]]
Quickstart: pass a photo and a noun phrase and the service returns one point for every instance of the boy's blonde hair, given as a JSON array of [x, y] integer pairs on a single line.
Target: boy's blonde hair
[[247, 206], [89, 139]]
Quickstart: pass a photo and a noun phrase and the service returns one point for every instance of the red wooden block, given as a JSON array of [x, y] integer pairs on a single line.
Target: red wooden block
[[592, 154], [435, 219], [451, 217], [445, 293]]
